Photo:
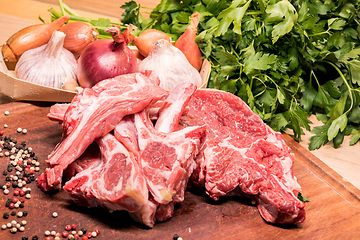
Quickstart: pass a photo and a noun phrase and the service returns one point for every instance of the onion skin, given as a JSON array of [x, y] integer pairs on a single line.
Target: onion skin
[[78, 36], [105, 58], [146, 40], [30, 37], [186, 43]]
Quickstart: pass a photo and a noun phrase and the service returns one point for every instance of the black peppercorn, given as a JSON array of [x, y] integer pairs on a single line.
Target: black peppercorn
[[35, 158], [25, 238], [7, 204], [13, 213], [35, 237], [14, 184], [32, 154], [9, 168], [5, 172], [83, 230], [21, 205], [6, 215], [8, 179], [25, 213]]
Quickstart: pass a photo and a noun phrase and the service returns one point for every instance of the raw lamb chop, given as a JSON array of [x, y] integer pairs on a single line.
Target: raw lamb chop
[[169, 115], [116, 183], [95, 112], [240, 151], [167, 159]]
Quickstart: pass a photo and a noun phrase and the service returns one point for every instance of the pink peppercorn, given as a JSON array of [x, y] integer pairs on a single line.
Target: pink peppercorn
[[85, 238], [68, 227], [73, 226], [22, 193], [22, 200], [16, 192], [97, 231], [48, 238], [65, 234], [88, 234], [2, 132], [11, 205]]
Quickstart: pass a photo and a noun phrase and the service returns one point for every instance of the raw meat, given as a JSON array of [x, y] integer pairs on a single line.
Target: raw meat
[[240, 151], [57, 112], [167, 159], [116, 183], [95, 112], [174, 149], [91, 157]]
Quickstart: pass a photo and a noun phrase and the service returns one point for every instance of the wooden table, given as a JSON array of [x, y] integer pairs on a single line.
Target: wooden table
[[341, 165]]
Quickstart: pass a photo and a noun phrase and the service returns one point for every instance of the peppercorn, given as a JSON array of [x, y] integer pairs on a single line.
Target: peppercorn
[[68, 227], [83, 230], [25, 213], [7, 204], [35, 237], [13, 213], [21, 205], [6, 215], [65, 234], [5, 172], [9, 168], [175, 237], [25, 238], [14, 184]]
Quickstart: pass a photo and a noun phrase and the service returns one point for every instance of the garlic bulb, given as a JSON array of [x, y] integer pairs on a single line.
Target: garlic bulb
[[171, 65], [48, 65]]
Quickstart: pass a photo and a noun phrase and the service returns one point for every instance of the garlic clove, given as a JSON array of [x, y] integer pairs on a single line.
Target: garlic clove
[[70, 84]]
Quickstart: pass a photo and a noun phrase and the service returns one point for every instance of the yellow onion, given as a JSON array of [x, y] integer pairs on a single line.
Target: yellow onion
[[30, 37], [78, 36], [146, 40]]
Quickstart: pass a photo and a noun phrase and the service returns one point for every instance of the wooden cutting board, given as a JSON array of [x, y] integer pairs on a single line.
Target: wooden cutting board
[[332, 213]]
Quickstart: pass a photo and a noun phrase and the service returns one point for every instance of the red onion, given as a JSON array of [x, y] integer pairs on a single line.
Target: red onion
[[106, 58]]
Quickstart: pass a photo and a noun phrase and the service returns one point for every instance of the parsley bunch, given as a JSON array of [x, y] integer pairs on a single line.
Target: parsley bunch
[[285, 59]]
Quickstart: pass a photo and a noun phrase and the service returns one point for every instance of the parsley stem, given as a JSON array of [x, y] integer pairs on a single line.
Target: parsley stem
[[346, 83]]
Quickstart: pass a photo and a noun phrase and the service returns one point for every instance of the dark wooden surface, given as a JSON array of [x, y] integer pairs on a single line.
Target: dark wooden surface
[[332, 213]]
